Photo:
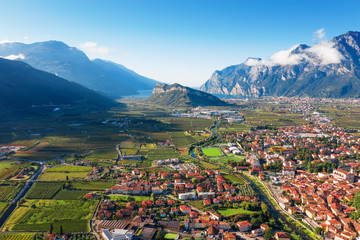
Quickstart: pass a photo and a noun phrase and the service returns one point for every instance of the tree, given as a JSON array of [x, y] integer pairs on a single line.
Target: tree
[[51, 228], [318, 230], [268, 233], [61, 230], [67, 178], [160, 235], [152, 197]]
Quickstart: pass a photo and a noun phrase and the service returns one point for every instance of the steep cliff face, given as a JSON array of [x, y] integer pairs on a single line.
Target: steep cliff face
[[327, 69], [177, 95]]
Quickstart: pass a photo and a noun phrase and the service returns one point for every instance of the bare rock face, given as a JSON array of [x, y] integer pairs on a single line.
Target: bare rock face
[[326, 69]]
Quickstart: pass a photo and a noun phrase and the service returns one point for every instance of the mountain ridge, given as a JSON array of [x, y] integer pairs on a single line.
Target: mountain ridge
[[177, 95], [326, 69], [71, 63]]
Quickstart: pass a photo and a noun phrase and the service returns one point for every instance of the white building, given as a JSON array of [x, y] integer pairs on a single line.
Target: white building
[[117, 234], [186, 196]]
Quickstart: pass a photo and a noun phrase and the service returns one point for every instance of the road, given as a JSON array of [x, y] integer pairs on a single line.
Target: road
[[118, 147], [22, 193]]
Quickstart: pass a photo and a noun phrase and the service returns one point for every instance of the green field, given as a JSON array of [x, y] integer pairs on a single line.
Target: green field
[[212, 152], [233, 178], [3, 207], [207, 165], [69, 195], [180, 139], [226, 212], [60, 176], [8, 169], [17, 236], [36, 215], [69, 169], [92, 185], [44, 190], [171, 236], [9, 189]]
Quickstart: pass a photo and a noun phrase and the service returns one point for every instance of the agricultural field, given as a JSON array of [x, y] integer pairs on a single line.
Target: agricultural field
[[3, 207], [36, 215], [8, 190], [180, 139], [171, 236], [70, 169], [212, 152], [193, 124], [63, 172], [69, 195], [157, 154], [246, 190], [44, 190], [233, 178], [8, 169], [92, 185], [17, 236], [207, 165]]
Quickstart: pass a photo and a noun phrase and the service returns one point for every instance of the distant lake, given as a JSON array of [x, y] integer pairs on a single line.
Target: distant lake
[[142, 94]]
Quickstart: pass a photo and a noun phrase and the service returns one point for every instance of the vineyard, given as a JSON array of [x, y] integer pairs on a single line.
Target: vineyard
[[44, 190], [36, 215], [8, 190], [246, 190], [69, 195], [17, 236]]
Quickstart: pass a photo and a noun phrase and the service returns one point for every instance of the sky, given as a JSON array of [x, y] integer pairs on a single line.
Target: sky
[[181, 41]]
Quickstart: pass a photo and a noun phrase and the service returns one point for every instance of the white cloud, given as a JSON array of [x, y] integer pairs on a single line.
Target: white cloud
[[15, 57], [6, 41], [26, 37], [93, 47], [326, 53], [319, 35], [285, 57]]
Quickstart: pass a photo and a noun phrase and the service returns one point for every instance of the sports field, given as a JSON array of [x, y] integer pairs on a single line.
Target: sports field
[[212, 152]]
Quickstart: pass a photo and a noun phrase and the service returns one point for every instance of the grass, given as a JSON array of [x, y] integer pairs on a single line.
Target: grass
[[233, 178], [227, 212], [180, 139], [171, 236], [212, 152], [197, 204], [36, 215], [60, 176]]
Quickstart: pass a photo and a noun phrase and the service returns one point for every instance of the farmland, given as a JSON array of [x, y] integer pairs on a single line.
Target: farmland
[[8, 169], [44, 190], [36, 215], [8, 190], [212, 152], [63, 172], [246, 190], [234, 178], [93, 185], [69, 195], [17, 236]]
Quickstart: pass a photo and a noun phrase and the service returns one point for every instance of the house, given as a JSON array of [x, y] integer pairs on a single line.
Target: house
[[258, 232], [193, 214], [185, 209], [187, 196], [282, 236], [229, 236], [214, 215], [244, 226]]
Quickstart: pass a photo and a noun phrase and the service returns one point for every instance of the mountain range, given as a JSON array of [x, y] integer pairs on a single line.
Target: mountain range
[[326, 69], [176, 95], [23, 86], [70, 63]]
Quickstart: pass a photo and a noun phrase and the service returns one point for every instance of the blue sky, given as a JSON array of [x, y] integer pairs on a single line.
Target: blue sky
[[180, 41]]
